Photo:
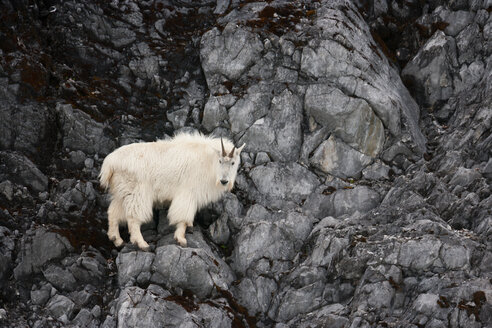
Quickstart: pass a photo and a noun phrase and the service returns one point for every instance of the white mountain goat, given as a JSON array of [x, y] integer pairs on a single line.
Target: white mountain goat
[[189, 170]]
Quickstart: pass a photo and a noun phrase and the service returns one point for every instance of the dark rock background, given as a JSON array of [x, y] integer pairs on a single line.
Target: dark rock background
[[364, 195]]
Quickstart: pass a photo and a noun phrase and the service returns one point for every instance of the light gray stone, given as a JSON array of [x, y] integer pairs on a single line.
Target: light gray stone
[[360, 198], [80, 132], [298, 301], [213, 114], [455, 256], [284, 181], [194, 269], [131, 265], [278, 133], [221, 6], [21, 170], [336, 158], [83, 318], [60, 278], [376, 171], [40, 249], [60, 305], [379, 295], [419, 254], [350, 119], [262, 158], [456, 20], [41, 296], [256, 295], [247, 110], [277, 240], [219, 230], [347, 57], [464, 177], [228, 54], [432, 68], [137, 307], [426, 303], [178, 117]]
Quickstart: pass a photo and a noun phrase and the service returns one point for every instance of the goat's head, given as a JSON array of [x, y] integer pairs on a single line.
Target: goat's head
[[228, 165]]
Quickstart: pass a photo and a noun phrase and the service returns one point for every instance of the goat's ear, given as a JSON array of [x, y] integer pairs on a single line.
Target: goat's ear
[[240, 149]]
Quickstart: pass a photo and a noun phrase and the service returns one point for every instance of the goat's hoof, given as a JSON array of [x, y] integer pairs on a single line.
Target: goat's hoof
[[117, 241], [181, 241], [145, 247], [140, 243]]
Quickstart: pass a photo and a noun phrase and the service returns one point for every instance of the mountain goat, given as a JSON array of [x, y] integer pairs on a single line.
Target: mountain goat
[[189, 170]]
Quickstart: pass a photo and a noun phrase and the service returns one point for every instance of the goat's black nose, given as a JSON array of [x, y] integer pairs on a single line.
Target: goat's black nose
[[224, 182]]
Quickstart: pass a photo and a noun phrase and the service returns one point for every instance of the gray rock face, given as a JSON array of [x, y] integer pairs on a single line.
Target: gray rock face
[[40, 249], [21, 170], [228, 54], [74, 194], [336, 158], [188, 268], [80, 132], [6, 248], [339, 54], [60, 305], [132, 265], [214, 113], [342, 202], [350, 119], [60, 278], [30, 130], [155, 306], [279, 132], [431, 68], [276, 241], [291, 181]]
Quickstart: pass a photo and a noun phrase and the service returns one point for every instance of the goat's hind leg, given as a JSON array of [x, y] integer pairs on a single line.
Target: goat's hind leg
[[116, 214], [138, 209], [136, 237]]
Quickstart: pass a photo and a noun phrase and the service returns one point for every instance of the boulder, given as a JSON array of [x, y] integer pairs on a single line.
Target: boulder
[[194, 269], [431, 70], [38, 250]]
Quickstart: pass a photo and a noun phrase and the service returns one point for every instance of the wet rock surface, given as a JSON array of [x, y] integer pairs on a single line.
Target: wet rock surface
[[363, 198]]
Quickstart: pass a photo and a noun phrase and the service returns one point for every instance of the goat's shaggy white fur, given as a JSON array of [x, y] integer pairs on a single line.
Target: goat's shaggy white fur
[[189, 170]]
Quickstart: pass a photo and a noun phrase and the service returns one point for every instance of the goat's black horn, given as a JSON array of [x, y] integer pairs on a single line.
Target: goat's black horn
[[231, 154], [224, 154]]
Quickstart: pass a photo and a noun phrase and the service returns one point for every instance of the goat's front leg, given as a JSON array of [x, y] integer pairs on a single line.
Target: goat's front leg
[[179, 234], [181, 213]]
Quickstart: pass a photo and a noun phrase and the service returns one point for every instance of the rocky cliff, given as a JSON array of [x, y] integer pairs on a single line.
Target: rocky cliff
[[363, 198]]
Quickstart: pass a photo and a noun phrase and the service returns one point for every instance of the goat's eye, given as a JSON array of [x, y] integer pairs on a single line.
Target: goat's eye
[[232, 163]]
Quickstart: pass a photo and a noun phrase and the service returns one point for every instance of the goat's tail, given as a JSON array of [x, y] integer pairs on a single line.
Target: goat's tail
[[106, 173]]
